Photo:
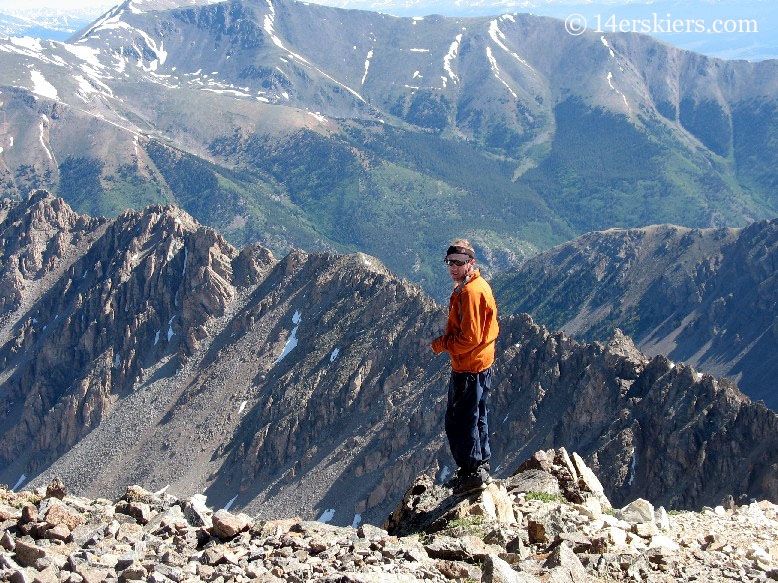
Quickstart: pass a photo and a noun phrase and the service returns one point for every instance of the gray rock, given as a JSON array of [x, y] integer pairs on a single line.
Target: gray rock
[[533, 480], [566, 566], [139, 511], [588, 481], [637, 511], [56, 489], [544, 528], [27, 552], [197, 513], [498, 571], [29, 513], [227, 525]]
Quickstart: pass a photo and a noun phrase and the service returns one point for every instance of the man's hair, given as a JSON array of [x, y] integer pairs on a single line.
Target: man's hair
[[465, 244]]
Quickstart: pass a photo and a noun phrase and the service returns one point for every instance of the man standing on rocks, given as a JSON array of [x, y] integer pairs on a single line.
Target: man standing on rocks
[[469, 339]]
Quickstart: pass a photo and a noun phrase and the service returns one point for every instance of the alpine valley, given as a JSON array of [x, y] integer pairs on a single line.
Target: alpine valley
[[303, 126], [221, 240]]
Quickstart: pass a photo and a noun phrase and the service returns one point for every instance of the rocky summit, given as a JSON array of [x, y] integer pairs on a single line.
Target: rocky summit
[[548, 522]]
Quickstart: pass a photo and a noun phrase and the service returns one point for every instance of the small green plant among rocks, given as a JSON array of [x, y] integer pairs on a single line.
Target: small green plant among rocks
[[544, 497], [466, 522], [17, 500], [467, 525]]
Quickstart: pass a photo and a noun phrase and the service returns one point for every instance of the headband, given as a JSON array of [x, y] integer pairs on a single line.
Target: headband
[[455, 250]]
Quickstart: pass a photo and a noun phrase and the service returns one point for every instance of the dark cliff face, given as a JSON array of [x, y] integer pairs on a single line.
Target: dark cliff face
[[648, 427], [703, 296], [161, 355]]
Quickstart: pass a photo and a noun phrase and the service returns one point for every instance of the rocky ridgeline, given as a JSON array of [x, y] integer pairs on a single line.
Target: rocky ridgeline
[[93, 303], [548, 522], [706, 297], [147, 350], [38, 241]]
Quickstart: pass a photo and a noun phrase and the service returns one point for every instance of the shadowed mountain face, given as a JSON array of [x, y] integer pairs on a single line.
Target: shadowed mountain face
[[147, 349], [304, 126], [703, 296]]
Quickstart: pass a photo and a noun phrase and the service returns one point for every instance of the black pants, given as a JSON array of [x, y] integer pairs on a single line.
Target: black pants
[[467, 427]]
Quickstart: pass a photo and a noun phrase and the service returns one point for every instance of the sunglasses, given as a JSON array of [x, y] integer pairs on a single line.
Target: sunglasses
[[454, 262]]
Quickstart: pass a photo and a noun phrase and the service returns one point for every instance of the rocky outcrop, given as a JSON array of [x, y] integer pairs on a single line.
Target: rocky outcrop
[[703, 296], [549, 521], [641, 423], [38, 241], [305, 387], [541, 524], [141, 293]]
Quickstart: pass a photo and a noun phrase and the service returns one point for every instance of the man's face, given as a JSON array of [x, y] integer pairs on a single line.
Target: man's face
[[459, 272]]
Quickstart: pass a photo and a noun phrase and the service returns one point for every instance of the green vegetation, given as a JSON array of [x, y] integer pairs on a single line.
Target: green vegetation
[[709, 122], [545, 497], [467, 525], [79, 181], [466, 522], [401, 192]]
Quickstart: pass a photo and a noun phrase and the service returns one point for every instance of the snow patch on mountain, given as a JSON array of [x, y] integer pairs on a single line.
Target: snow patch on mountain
[[609, 78], [32, 44], [111, 17], [89, 55], [367, 65], [42, 87], [269, 27], [291, 342], [604, 41], [42, 127], [327, 515], [496, 71], [498, 37], [28, 47], [450, 56]]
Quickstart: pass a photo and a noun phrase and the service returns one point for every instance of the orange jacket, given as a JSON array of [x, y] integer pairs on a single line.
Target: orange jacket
[[472, 326]]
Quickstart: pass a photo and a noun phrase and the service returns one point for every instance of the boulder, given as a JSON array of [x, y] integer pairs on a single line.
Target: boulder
[[227, 525]]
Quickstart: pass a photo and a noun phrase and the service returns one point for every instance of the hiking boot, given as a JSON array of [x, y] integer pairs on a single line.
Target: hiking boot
[[472, 483], [455, 479]]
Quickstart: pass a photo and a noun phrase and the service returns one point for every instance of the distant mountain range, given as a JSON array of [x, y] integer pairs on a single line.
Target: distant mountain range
[[148, 350], [725, 29], [304, 126], [708, 297], [45, 23]]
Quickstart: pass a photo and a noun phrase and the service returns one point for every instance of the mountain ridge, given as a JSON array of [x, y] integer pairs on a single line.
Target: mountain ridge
[[274, 383], [331, 120], [702, 296]]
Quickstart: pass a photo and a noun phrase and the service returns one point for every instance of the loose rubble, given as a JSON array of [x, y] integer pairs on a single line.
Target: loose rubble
[[549, 522]]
